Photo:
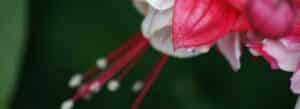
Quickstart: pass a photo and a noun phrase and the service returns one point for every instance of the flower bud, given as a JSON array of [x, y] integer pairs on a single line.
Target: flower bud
[[271, 18]]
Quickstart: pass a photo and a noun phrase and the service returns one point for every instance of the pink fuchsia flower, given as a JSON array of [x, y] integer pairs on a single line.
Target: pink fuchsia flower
[[174, 31], [215, 19], [281, 52], [124, 58], [157, 28], [201, 22]]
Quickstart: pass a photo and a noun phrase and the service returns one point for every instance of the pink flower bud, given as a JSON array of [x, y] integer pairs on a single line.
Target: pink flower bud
[[272, 18]]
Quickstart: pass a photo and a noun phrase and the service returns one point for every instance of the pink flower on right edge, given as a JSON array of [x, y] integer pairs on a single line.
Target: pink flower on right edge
[[189, 28]]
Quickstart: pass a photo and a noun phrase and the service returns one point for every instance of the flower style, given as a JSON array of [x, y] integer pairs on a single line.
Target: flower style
[[188, 28]]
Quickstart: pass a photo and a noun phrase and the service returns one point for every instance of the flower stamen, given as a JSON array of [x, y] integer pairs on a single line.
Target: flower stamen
[[102, 63], [114, 84], [150, 80], [130, 50]]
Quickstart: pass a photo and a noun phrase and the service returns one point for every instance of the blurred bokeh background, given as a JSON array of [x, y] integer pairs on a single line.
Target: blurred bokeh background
[[44, 42]]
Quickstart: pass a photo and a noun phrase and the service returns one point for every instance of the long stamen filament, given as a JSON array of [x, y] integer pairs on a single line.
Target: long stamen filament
[[122, 62], [102, 63], [95, 84], [124, 47], [130, 66], [125, 58], [150, 80], [114, 84]]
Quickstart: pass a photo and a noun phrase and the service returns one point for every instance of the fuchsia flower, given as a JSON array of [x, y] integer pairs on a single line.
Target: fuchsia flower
[[188, 28]]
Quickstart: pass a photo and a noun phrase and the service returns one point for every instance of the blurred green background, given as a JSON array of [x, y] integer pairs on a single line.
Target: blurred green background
[[44, 42]]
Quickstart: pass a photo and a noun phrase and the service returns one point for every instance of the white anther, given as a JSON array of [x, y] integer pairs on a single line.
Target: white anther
[[95, 87], [75, 81], [113, 85], [68, 104], [137, 86], [101, 63]]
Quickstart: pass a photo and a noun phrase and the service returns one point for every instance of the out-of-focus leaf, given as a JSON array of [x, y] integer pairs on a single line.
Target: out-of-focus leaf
[[12, 23]]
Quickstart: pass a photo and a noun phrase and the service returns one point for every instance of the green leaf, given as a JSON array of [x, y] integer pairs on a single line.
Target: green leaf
[[12, 35]]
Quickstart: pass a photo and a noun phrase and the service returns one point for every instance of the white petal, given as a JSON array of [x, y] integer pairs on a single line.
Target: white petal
[[141, 6], [290, 44], [295, 83], [287, 59], [156, 20], [161, 4], [297, 106], [161, 41], [230, 47]]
